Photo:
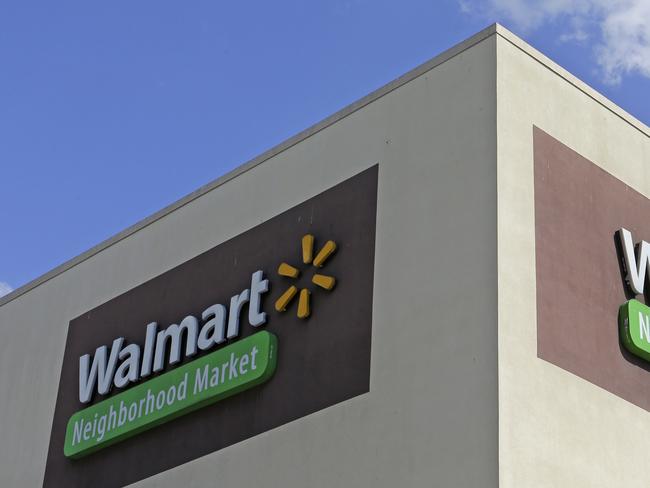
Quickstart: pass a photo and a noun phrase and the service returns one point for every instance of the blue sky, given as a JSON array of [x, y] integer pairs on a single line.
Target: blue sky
[[111, 110]]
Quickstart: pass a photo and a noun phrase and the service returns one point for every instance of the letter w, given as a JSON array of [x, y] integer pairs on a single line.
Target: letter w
[[637, 267], [100, 371]]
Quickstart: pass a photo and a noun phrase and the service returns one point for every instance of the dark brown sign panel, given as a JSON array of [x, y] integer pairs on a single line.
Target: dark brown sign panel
[[580, 286], [322, 360]]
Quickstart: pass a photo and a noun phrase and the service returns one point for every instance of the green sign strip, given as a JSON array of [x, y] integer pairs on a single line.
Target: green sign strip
[[634, 326], [223, 373]]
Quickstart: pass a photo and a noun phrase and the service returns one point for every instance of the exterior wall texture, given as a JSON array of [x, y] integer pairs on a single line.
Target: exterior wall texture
[[430, 417], [556, 428]]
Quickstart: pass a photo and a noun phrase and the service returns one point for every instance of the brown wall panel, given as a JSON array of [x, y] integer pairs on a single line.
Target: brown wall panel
[[580, 286], [321, 361]]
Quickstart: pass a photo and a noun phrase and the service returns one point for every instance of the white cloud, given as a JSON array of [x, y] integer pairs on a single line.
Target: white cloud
[[618, 29], [5, 288], [626, 41]]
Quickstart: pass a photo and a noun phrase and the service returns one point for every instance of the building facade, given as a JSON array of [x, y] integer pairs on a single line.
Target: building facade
[[440, 285]]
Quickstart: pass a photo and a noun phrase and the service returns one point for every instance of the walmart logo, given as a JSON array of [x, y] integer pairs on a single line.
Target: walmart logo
[[323, 281]]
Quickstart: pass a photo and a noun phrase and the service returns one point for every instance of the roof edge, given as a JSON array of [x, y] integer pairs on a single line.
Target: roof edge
[[274, 151], [571, 79]]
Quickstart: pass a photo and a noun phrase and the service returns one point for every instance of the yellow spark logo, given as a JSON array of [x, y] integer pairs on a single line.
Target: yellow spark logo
[[323, 281]]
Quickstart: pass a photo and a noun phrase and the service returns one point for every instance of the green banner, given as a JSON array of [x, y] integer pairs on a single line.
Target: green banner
[[634, 324], [223, 373]]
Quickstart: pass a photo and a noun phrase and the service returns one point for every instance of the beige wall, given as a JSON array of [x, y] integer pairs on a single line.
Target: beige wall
[[555, 429], [430, 418]]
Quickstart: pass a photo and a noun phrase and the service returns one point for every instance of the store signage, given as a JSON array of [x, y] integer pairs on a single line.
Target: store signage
[[261, 330], [223, 373], [634, 316], [233, 369], [102, 370]]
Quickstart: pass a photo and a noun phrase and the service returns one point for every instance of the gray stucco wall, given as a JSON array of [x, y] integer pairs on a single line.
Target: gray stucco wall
[[557, 429], [430, 418]]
